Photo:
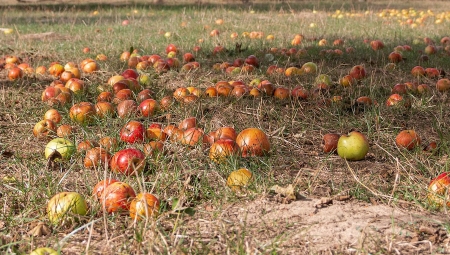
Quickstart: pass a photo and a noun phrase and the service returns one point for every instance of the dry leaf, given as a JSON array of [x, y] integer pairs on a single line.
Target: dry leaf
[[287, 192], [40, 230]]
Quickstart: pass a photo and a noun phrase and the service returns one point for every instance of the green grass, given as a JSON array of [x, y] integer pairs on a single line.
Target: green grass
[[388, 175]]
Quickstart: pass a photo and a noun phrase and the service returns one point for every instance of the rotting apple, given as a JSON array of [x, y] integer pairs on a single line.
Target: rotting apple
[[253, 142], [439, 190], [330, 142], [83, 113], [95, 157], [62, 147], [408, 139], [117, 197], [239, 179], [100, 187], [353, 146], [222, 149], [44, 129], [144, 206]]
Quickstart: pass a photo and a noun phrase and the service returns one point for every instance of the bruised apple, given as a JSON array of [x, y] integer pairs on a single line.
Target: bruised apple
[[133, 132], [253, 142], [438, 190], [144, 206], [63, 147], [83, 113], [222, 149], [44, 129], [408, 139], [330, 142], [97, 192], [117, 197], [96, 156]]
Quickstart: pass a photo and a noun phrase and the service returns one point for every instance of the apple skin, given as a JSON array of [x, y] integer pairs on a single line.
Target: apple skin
[[44, 251], [117, 196], [65, 147], [438, 190], [132, 132], [353, 146], [143, 206], [408, 139], [44, 129], [238, 179], [100, 187], [64, 205], [128, 161], [329, 142]]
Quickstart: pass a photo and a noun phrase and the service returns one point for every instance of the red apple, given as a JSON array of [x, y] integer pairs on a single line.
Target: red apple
[[117, 197], [408, 139], [438, 190], [132, 132], [128, 161]]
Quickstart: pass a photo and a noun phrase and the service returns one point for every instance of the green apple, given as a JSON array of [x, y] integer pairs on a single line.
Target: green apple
[[64, 206], [324, 78], [44, 251], [353, 146], [309, 67], [63, 146]]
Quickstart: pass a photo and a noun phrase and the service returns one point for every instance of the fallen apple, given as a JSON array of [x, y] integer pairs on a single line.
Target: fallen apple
[[66, 206], [353, 146], [144, 206], [62, 147], [438, 190], [44, 251], [239, 179]]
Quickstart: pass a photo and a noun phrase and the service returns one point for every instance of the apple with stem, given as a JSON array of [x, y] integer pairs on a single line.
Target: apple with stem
[[353, 146]]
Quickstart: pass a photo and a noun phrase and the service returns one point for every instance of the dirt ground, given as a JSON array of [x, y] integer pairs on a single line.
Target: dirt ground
[[325, 226]]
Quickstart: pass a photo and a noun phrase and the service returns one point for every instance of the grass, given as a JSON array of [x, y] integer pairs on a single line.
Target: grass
[[388, 175]]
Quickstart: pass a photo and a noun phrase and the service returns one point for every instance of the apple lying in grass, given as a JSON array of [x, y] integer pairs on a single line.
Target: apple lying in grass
[[132, 132], [128, 161], [144, 206], [330, 142], [222, 149], [253, 142], [353, 146], [408, 139], [44, 251], [438, 190], [62, 147], [117, 197], [44, 129], [239, 179], [66, 206], [83, 113], [98, 189]]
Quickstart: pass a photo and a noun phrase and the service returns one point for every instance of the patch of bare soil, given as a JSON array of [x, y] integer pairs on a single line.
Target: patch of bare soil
[[314, 226]]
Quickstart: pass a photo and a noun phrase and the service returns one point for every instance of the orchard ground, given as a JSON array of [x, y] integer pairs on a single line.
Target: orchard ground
[[301, 200]]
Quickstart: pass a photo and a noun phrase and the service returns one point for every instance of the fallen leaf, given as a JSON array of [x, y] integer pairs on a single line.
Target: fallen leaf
[[287, 192], [39, 230]]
